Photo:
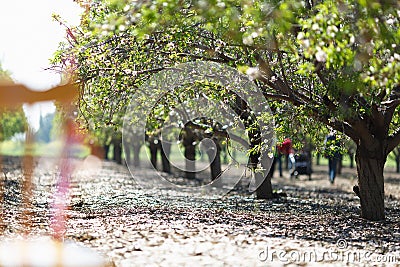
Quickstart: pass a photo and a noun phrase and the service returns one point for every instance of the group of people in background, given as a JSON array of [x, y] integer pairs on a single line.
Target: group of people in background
[[331, 151], [284, 149]]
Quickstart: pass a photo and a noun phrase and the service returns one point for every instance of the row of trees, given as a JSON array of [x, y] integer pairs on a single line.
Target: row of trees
[[317, 63]]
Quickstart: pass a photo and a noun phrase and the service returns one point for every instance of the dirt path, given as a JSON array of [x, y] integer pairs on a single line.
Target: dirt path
[[315, 223]]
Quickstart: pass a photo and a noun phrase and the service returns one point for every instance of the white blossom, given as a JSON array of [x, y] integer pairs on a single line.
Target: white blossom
[[306, 43], [331, 30], [352, 39], [221, 4], [203, 4], [248, 40], [253, 73], [254, 34], [321, 56], [371, 68]]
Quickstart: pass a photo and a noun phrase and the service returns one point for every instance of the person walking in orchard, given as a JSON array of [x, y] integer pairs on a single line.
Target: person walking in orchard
[[286, 148], [332, 153]]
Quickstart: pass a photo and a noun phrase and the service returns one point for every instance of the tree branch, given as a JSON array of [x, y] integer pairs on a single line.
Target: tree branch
[[391, 106], [318, 68], [220, 133], [281, 63], [219, 60], [276, 97], [393, 141], [379, 122]]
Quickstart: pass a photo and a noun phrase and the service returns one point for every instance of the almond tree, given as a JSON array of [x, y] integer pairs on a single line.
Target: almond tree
[[338, 62], [333, 62]]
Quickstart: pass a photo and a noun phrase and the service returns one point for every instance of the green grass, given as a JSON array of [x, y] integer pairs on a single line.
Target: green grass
[[390, 162], [178, 156], [52, 149]]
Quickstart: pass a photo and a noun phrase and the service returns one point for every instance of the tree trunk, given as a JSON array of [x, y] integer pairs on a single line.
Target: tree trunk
[[136, 154], [272, 170], [165, 151], [225, 154], [339, 165], [153, 153], [264, 190], [190, 157], [351, 156], [371, 183], [117, 142], [106, 150], [318, 159], [396, 153], [215, 160], [127, 153], [189, 140]]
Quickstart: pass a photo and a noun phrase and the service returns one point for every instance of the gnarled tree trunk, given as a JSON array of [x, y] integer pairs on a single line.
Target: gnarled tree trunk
[[351, 157], [117, 143], [339, 165], [264, 189], [190, 157], [189, 139], [153, 146], [136, 154], [214, 156], [397, 164], [106, 151], [370, 166], [127, 153], [165, 151], [263, 177]]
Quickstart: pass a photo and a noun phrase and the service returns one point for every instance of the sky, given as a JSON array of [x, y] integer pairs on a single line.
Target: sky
[[28, 38]]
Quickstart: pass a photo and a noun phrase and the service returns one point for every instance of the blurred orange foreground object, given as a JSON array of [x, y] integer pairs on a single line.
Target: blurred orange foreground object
[[44, 252], [14, 94]]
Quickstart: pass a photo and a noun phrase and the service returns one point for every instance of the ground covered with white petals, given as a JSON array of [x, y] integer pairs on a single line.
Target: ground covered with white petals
[[316, 222]]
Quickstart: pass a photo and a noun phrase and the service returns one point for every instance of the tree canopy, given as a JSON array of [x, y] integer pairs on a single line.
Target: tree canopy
[[332, 63]]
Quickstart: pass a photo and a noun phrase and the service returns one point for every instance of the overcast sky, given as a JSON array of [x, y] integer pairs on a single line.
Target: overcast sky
[[29, 37]]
